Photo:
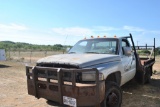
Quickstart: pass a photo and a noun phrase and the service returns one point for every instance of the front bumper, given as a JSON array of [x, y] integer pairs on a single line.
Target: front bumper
[[51, 89]]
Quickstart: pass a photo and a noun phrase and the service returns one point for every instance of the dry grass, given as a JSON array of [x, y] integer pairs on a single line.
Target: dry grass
[[136, 95], [13, 88], [30, 56]]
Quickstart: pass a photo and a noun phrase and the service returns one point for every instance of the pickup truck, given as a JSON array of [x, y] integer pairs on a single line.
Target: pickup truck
[[91, 73]]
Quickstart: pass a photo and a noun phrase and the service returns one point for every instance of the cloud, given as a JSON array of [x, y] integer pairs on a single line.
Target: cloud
[[74, 31], [104, 28], [12, 27], [133, 29], [80, 31], [155, 32], [70, 35], [18, 33], [35, 37]]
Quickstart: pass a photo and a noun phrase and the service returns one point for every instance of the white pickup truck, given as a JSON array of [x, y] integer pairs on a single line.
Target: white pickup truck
[[91, 73]]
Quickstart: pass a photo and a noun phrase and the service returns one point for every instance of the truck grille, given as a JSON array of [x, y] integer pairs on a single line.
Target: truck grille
[[53, 75]]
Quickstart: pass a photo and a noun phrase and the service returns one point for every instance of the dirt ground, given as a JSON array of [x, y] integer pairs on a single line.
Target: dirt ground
[[13, 89]]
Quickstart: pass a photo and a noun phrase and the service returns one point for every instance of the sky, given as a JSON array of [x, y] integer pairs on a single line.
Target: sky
[[65, 22]]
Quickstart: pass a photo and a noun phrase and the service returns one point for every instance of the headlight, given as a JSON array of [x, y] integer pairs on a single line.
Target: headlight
[[89, 76]]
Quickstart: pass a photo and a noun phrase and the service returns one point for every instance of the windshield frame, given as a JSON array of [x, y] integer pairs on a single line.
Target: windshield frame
[[100, 39]]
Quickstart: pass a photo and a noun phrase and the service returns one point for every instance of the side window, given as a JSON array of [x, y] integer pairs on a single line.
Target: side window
[[124, 44]]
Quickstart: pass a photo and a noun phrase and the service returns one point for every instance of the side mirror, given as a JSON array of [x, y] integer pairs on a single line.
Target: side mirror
[[127, 51]]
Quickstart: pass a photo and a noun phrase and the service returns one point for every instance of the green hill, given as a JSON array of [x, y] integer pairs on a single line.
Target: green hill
[[9, 45]]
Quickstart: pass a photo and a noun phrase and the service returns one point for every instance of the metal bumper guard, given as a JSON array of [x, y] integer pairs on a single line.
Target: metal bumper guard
[[42, 84]]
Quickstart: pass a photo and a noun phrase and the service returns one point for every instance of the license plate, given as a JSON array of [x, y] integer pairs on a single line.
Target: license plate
[[69, 101]]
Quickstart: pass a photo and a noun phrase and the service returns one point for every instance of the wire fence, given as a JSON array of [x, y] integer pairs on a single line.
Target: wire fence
[[29, 56]]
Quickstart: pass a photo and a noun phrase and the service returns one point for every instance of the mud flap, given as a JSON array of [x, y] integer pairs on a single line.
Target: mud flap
[[140, 77]]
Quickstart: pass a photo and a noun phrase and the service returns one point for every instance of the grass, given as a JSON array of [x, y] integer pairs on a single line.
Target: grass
[[30, 56]]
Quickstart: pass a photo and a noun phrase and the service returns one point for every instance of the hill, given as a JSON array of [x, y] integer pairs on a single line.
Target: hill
[[9, 45]]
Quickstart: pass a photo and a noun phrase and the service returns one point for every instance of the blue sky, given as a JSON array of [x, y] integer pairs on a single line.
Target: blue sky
[[52, 21]]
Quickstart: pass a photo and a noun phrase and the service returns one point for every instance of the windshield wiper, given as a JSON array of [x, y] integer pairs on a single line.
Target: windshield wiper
[[71, 52], [92, 52]]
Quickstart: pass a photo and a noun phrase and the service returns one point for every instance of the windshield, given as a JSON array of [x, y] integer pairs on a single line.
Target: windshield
[[97, 46]]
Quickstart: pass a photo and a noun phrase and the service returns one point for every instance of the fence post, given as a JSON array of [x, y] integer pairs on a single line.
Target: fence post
[[9, 54], [45, 53], [30, 56]]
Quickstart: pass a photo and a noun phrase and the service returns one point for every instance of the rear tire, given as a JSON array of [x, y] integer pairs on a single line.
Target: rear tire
[[113, 97]]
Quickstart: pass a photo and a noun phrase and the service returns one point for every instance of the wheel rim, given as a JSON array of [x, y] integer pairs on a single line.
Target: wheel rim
[[112, 99]]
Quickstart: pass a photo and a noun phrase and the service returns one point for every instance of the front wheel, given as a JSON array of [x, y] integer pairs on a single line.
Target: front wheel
[[113, 97]]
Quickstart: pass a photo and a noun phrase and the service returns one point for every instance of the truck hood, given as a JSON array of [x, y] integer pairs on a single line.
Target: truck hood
[[80, 60]]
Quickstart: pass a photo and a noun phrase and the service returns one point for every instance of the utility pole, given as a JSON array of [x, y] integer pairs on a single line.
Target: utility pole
[[137, 45]]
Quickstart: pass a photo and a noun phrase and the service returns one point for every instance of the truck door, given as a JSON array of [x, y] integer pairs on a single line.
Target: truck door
[[128, 62]]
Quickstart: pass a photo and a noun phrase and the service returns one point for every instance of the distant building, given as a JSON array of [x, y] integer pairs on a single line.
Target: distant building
[[2, 55]]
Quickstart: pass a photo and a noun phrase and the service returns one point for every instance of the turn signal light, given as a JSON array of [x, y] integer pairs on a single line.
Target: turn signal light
[[115, 36]]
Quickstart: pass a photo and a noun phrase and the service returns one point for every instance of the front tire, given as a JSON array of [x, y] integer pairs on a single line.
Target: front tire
[[113, 97]]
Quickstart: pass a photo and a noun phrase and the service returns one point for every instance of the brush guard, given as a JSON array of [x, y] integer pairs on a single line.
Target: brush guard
[[42, 83]]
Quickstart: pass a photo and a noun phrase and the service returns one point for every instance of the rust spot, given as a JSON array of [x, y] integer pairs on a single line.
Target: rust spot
[[87, 91]]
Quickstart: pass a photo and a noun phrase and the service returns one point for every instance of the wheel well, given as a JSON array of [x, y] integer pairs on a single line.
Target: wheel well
[[115, 77]]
